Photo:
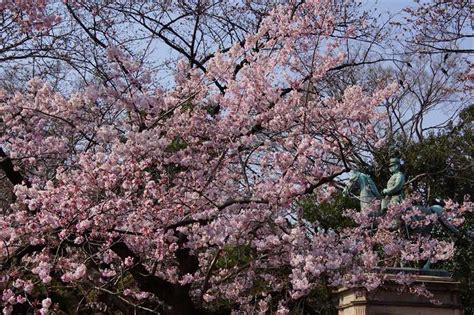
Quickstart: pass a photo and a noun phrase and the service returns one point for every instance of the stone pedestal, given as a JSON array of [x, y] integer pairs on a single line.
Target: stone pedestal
[[388, 301]]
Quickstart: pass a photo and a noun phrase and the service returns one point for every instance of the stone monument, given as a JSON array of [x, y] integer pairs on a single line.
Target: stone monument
[[387, 300]]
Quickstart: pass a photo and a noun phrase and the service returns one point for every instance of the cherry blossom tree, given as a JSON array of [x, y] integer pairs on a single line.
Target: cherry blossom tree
[[174, 200]]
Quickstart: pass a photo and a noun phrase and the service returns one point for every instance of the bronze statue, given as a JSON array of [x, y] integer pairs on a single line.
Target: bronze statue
[[393, 194]]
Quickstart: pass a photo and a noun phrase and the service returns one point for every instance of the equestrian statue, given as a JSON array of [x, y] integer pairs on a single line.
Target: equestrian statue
[[393, 194]]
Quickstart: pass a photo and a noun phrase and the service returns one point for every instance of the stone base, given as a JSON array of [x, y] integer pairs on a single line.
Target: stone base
[[388, 301]]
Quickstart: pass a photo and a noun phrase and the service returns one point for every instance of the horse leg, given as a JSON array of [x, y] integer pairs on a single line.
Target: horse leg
[[398, 263], [427, 264]]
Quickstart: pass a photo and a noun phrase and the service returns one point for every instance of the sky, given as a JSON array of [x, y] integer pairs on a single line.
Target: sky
[[392, 6], [436, 116]]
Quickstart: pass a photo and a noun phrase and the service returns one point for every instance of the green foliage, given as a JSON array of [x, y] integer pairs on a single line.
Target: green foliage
[[329, 214], [437, 167], [321, 301], [212, 109], [176, 145], [188, 106], [235, 255], [443, 163]]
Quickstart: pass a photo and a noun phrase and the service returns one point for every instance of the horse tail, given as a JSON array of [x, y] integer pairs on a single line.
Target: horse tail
[[443, 220]]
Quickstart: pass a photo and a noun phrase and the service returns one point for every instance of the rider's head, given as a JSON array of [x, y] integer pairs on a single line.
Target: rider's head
[[394, 165]]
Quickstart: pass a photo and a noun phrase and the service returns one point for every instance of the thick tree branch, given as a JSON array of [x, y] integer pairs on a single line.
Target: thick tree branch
[[13, 175]]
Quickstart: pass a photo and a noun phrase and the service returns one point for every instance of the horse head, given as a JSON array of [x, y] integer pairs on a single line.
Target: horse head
[[352, 182], [368, 192]]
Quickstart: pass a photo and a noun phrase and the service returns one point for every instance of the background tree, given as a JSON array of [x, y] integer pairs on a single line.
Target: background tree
[[441, 26]]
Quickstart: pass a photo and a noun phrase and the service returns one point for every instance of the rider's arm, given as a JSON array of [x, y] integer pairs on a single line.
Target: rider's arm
[[374, 189]]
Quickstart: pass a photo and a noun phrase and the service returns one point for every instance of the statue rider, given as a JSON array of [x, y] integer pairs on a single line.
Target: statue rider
[[393, 194]]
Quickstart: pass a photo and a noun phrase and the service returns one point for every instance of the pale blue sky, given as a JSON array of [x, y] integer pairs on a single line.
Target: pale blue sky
[[393, 6]]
